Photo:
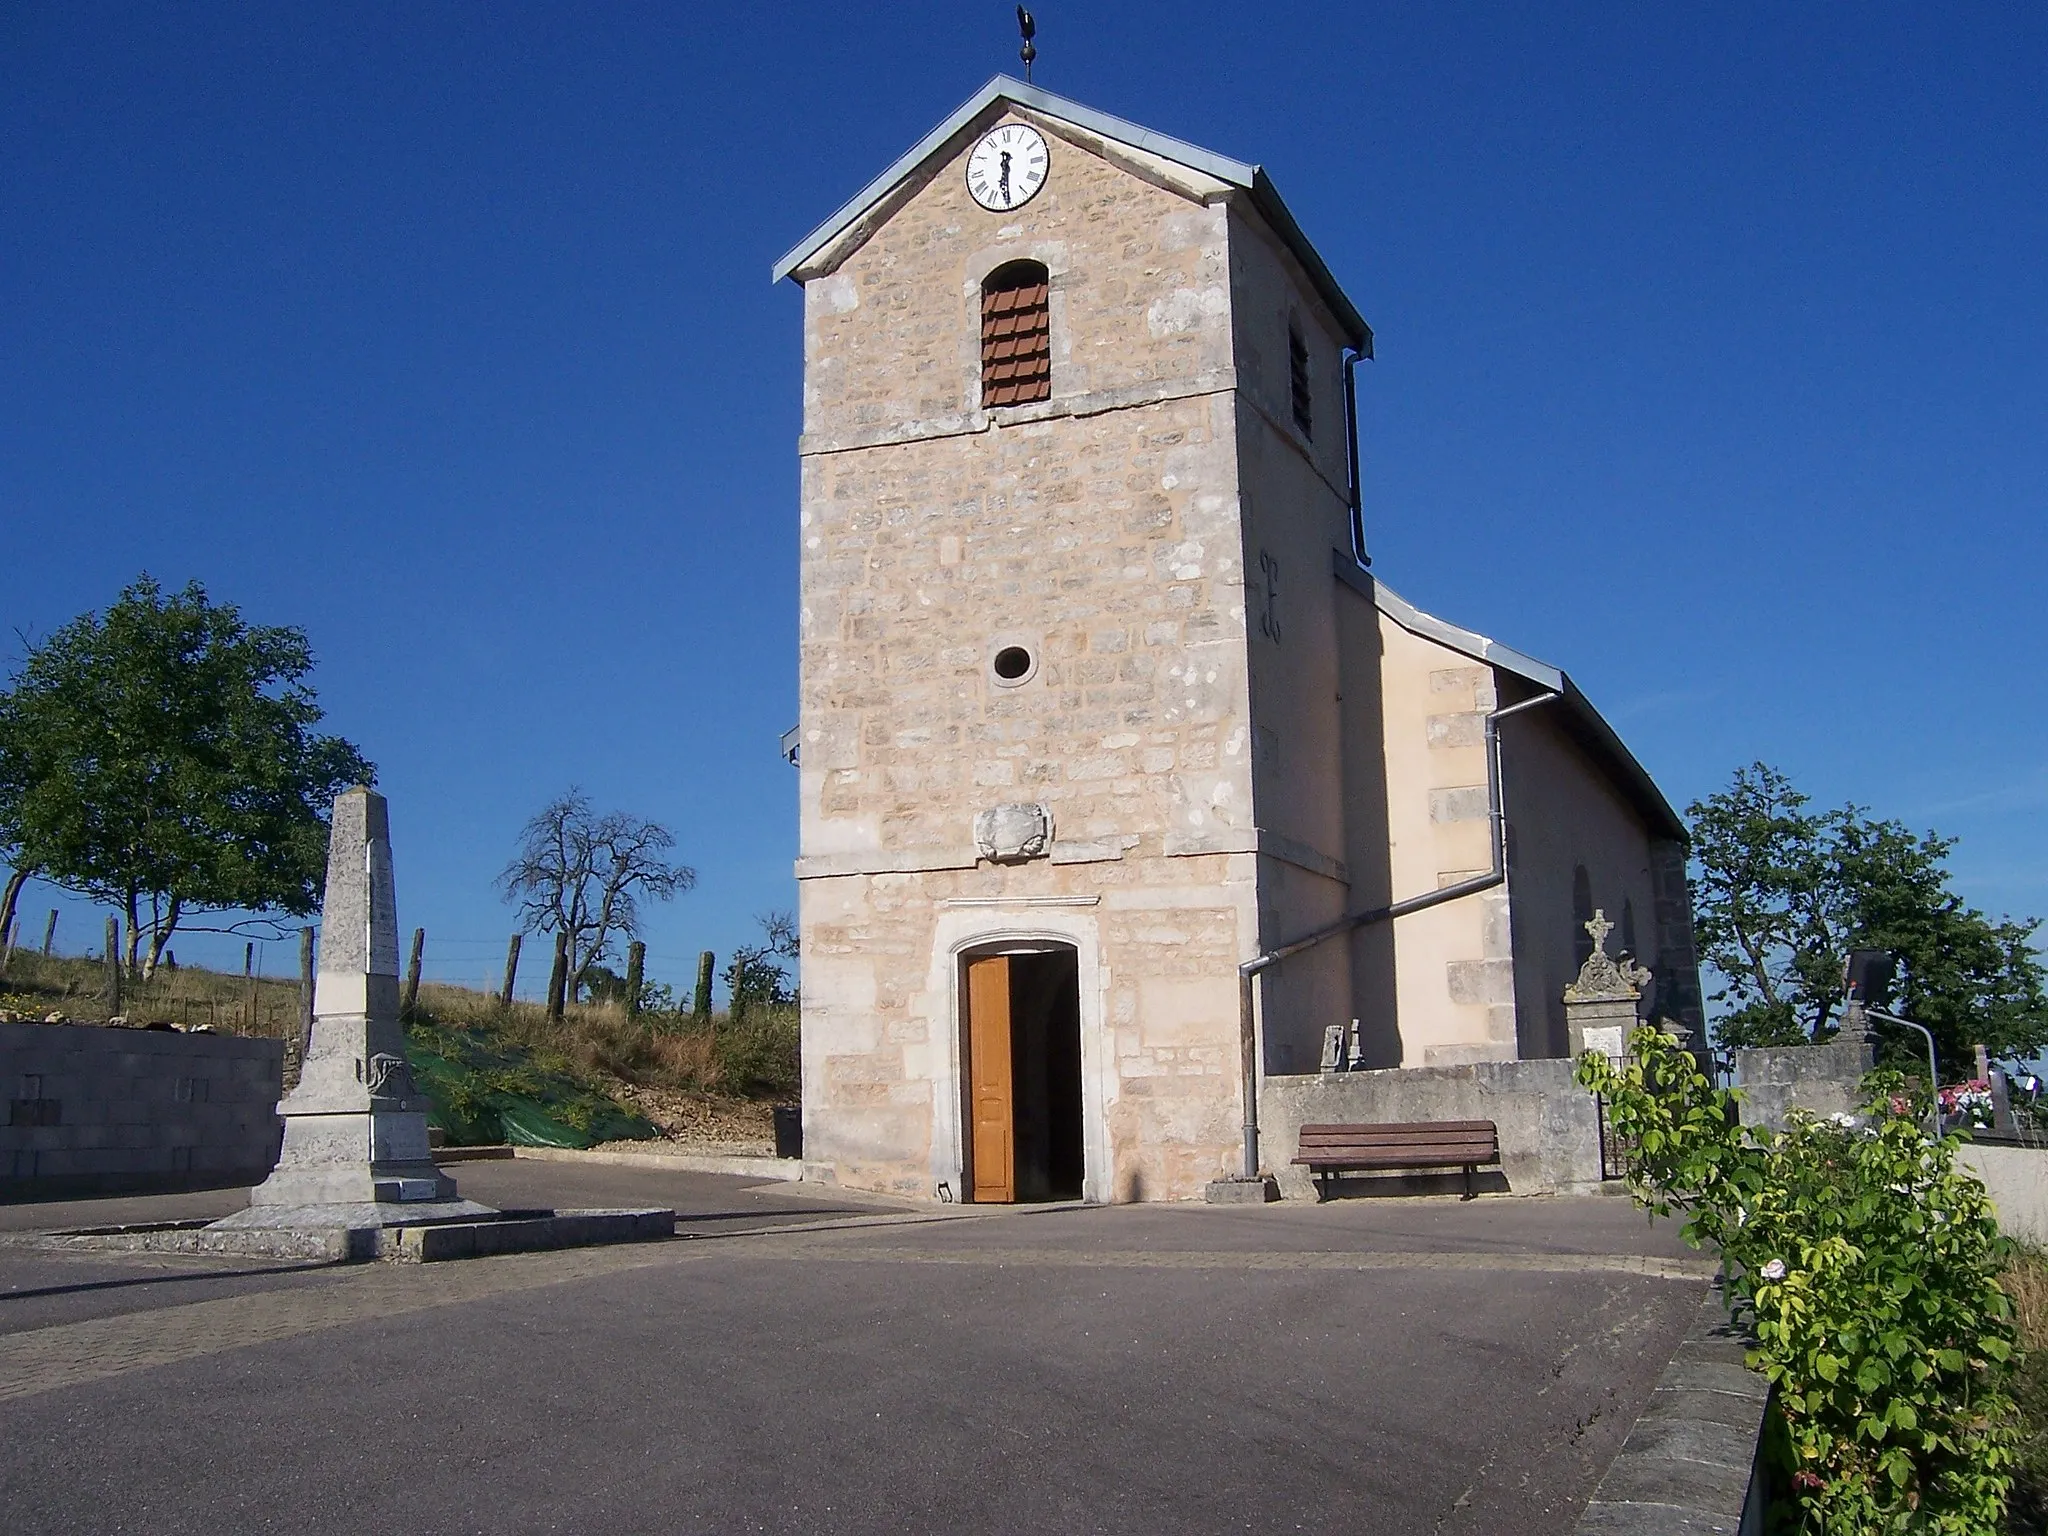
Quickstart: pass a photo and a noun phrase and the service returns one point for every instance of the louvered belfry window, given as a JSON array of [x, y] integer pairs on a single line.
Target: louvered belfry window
[[1016, 335], [1297, 381]]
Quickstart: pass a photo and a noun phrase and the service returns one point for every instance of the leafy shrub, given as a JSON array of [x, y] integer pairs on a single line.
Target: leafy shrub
[[1869, 1267]]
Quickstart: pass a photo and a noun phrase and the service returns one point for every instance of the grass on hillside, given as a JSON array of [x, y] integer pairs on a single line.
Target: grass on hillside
[[2026, 1281], [76, 987], [601, 1068]]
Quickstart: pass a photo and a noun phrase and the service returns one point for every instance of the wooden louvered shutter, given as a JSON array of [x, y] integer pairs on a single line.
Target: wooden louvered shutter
[[1016, 336]]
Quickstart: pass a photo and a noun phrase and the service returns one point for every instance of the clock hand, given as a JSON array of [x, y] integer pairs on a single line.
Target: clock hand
[[1003, 178]]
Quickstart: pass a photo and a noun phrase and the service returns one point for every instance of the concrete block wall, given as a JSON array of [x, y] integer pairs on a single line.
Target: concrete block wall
[[91, 1110], [1549, 1126], [1820, 1079], [2017, 1180]]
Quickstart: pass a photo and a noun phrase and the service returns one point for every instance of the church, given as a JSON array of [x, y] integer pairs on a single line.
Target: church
[[1104, 711]]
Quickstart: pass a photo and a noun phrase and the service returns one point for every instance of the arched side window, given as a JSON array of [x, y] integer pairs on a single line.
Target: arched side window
[[1582, 914], [1016, 335]]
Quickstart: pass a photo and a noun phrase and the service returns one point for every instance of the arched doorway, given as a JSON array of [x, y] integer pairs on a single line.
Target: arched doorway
[[1021, 1041]]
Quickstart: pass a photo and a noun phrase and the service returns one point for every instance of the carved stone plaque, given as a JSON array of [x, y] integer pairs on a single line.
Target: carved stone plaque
[[1011, 834]]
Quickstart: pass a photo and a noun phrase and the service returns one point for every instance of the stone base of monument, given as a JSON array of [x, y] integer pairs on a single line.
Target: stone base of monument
[[353, 1214], [423, 1234], [1257, 1191]]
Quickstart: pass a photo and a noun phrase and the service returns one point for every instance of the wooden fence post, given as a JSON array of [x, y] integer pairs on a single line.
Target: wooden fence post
[[248, 959], [636, 973], [412, 974], [511, 972], [49, 933], [305, 992], [700, 1005], [113, 966], [558, 978]]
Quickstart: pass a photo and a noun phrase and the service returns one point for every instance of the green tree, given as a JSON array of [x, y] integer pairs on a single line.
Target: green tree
[[161, 757], [1781, 894]]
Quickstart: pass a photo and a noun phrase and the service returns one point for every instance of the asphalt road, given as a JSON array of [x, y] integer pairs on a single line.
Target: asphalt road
[[1366, 1366]]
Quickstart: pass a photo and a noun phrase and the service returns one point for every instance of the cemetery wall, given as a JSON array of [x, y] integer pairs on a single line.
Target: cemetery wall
[[2017, 1178], [1549, 1126], [92, 1110], [1820, 1079]]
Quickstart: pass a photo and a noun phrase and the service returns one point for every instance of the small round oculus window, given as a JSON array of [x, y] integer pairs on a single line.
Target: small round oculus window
[[1012, 664]]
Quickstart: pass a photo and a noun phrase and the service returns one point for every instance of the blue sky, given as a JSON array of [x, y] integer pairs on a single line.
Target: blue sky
[[1710, 368]]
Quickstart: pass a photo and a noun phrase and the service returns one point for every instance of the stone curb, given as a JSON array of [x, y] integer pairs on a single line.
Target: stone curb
[[1689, 1465], [492, 1154], [316, 1246], [428, 1243], [786, 1169]]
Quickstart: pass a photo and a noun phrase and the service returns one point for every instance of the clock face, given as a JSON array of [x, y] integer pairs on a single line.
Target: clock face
[[1007, 167]]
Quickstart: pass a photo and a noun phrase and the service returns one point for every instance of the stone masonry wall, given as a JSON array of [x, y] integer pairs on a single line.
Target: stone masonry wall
[[93, 1110], [1100, 531]]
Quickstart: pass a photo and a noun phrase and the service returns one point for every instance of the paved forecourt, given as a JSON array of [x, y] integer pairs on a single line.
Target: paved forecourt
[[804, 1362]]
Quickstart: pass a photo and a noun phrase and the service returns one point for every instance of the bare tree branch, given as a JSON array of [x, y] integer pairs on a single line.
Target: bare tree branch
[[584, 874]]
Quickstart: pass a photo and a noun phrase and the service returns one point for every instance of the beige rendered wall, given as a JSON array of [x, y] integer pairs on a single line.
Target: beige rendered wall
[[1455, 998], [1100, 530], [1563, 811]]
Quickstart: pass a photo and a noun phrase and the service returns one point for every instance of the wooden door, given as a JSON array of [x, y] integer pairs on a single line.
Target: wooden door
[[993, 1154]]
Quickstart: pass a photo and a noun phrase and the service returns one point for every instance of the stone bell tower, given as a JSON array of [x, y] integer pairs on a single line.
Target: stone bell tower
[[1075, 455]]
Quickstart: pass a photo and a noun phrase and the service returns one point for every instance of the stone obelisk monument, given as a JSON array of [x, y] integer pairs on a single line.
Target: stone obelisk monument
[[355, 1128]]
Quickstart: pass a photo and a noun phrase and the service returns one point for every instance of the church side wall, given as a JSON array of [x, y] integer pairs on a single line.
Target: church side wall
[[1099, 531], [1565, 812], [1296, 510], [1367, 848], [1455, 996]]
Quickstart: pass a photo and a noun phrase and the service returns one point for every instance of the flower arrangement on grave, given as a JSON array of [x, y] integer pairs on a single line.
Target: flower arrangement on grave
[[1967, 1104]]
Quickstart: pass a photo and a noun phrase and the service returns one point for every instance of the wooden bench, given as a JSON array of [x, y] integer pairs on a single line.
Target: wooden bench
[[1328, 1150]]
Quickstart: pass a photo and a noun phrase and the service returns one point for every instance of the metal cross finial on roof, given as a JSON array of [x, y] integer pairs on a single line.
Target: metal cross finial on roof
[[1029, 28], [1599, 927]]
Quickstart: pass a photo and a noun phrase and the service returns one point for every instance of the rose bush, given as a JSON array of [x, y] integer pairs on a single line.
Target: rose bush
[[1867, 1265]]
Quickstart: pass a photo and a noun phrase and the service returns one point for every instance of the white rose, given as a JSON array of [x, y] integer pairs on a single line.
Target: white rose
[[1775, 1270]]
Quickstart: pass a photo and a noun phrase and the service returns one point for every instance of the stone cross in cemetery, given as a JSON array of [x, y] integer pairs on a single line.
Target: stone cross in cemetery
[[1601, 1006], [355, 1127]]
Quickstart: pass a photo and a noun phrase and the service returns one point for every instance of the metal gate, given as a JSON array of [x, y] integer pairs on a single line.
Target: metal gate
[[1614, 1147]]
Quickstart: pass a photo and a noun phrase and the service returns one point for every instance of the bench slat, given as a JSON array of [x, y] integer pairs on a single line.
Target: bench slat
[[1419, 1127], [1405, 1139], [1401, 1160]]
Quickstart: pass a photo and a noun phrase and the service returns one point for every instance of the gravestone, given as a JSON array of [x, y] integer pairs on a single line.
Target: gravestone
[[1604, 1002], [355, 1148]]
